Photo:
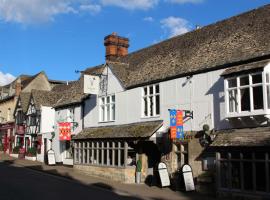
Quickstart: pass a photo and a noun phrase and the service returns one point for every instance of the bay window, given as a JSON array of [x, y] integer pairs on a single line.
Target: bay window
[[107, 108], [151, 101], [247, 93]]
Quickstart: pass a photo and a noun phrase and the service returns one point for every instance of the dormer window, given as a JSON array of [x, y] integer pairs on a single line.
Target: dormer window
[[247, 94]]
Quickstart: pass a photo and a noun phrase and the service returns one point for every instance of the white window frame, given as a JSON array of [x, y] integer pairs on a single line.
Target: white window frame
[[148, 96], [238, 112], [108, 102]]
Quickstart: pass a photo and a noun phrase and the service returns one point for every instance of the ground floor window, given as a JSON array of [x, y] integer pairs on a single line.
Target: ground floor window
[[105, 153], [247, 171]]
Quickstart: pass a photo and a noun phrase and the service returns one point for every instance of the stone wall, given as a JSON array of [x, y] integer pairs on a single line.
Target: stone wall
[[126, 175]]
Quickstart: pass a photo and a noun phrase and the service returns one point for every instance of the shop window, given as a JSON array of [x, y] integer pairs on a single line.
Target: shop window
[[107, 108], [151, 101]]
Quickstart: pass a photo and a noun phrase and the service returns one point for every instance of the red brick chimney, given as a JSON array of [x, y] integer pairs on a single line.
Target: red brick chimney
[[18, 87], [116, 46]]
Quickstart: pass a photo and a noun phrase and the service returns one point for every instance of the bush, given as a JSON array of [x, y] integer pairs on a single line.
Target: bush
[[32, 151], [139, 166], [16, 150]]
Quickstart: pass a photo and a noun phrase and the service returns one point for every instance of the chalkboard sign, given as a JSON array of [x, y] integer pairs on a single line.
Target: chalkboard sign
[[188, 178], [163, 174], [51, 157]]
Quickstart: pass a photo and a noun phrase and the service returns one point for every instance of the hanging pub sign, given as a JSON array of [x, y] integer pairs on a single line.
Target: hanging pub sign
[[176, 124], [64, 131], [91, 84]]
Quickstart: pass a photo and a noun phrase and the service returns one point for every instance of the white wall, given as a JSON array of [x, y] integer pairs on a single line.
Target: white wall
[[203, 94]]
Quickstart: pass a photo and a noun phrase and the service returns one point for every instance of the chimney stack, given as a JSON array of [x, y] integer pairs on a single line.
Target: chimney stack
[[18, 87], [116, 46]]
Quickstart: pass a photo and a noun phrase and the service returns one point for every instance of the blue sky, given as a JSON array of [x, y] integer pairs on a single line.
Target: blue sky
[[61, 36]]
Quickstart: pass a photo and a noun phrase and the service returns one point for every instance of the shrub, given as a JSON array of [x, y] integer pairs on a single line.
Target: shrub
[[139, 166], [16, 150], [32, 151]]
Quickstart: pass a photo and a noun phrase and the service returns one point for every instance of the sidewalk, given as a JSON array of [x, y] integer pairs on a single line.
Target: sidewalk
[[141, 190]]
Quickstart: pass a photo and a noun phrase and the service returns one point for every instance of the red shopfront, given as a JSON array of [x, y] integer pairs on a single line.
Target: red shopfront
[[7, 136]]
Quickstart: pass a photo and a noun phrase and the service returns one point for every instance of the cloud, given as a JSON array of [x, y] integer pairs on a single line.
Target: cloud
[[6, 78], [175, 25], [148, 19], [93, 9], [131, 4], [41, 11], [185, 1]]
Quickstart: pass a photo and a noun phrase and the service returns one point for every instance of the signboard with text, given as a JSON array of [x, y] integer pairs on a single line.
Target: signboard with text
[[91, 84], [64, 131]]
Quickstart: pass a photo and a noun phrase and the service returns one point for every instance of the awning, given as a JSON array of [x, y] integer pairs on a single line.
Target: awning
[[135, 130], [259, 65], [247, 137]]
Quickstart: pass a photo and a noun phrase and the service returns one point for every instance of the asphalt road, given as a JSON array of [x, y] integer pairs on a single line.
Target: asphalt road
[[18, 183]]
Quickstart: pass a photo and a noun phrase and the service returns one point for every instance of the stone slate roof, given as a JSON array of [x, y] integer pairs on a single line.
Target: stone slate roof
[[219, 45], [44, 98], [246, 67], [71, 94], [94, 70], [135, 130], [246, 137], [24, 99]]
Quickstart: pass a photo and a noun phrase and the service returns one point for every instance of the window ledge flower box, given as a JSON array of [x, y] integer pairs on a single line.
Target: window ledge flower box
[[32, 158], [14, 155]]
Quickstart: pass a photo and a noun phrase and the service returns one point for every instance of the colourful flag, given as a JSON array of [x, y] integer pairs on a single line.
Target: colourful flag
[[176, 124], [173, 123], [64, 130]]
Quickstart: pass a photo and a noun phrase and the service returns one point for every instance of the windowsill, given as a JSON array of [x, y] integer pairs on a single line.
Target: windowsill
[[101, 122], [248, 113], [157, 116]]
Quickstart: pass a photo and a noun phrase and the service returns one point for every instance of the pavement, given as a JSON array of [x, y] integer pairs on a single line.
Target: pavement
[[137, 191]]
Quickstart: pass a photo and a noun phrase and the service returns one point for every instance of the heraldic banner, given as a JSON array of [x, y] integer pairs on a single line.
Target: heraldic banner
[[64, 131], [176, 124]]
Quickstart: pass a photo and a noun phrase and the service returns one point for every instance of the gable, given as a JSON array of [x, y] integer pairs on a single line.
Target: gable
[[40, 82]]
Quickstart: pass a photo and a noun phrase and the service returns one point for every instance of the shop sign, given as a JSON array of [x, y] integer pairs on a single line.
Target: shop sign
[[188, 178], [64, 131], [6, 126], [91, 84], [176, 124], [163, 174], [51, 157]]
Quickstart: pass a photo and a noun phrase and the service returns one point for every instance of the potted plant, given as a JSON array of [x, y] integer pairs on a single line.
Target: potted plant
[[31, 154], [138, 171], [15, 152]]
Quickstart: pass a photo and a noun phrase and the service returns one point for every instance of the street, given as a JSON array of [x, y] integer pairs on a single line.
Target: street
[[22, 183]]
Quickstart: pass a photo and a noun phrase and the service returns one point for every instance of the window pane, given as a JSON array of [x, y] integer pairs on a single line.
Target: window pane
[[232, 100], [244, 80], [257, 78], [151, 106], [157, 105], [108, 113], [103, 100], [245, 99], [267, 78], [232, 83], [108, 99], [145, 107], [151, 89], [102, 113], [258, 97], [113, 112], [157, 89], [248, 178], [113, 98], [145, 91]]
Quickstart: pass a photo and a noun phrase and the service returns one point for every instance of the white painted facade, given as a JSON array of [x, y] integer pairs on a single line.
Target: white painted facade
[[201, 93]]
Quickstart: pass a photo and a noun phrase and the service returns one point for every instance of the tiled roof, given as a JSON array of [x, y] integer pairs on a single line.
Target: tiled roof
[[135, 130], [246, 67], [243, 137], [219, 45], [45, 98]]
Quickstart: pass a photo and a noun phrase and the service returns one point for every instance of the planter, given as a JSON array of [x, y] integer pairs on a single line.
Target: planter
[[138, 177], [14, 155], [30, 158]]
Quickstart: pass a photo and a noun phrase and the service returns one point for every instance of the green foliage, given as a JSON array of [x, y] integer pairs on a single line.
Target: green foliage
[[139, 166], [16, 150], [32, 151]]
